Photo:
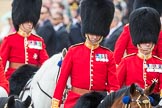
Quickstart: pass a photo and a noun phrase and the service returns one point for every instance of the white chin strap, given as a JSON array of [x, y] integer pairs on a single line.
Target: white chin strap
[[3, 92]]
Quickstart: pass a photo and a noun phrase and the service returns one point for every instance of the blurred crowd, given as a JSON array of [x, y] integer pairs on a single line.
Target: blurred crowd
[[60, 24]]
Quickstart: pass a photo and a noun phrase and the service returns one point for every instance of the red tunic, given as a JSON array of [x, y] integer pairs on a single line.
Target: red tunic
[[159, 46], [90, 70], [19, 49], [124, 43], [131, 70], [3, 81]]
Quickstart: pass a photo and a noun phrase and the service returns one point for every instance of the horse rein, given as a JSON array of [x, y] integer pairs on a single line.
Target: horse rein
[[25, 88], [44, 91], [139, 102], [56, 82]]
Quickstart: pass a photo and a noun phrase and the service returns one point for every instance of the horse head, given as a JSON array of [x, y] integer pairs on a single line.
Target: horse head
[[14, 102], [129, 97], [138, 97]]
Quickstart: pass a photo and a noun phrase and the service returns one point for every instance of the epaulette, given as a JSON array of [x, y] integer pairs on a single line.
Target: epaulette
[[156, 57], [105, 48], [36, 35], [127, 24], [12, 33], [132, 54], [77, 44]]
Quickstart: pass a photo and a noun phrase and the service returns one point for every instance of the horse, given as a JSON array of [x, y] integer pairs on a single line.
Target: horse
[[127, 97], [41, 86], [14, 102]]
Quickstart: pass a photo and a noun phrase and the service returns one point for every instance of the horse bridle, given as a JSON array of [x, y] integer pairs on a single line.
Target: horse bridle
[[139, 102], [23, 92]]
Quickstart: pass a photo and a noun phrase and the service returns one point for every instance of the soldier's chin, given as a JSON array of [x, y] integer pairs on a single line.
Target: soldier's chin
[[146, 51], [94, 42]]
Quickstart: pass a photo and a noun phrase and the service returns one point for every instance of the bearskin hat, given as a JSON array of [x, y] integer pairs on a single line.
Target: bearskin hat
[[156, 4], [144, 25], [25, 10], [96, 16]]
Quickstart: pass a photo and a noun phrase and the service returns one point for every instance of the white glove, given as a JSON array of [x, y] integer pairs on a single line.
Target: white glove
[[3, 92], [160, 103]]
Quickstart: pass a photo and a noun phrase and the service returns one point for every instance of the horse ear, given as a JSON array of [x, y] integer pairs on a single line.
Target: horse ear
[[150, 89], [27, 102], [132, 89], [64, 51], [11, 101]]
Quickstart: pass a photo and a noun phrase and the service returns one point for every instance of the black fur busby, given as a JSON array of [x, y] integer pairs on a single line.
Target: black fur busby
[[144, 25], [90, 100], [25, 10], [96, 16], [20, 77], [156, 4]]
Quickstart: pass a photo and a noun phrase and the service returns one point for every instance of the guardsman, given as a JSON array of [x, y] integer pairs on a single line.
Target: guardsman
[[23, 47], [124, 43], [143, 67], [4, 84], [90, 66]]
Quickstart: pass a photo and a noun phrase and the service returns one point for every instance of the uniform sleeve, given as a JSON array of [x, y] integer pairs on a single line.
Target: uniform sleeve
[[64, 74], [121, 44], [121, 72], [5, 50], [113, 83], [3, 81], [159, 45], [43, 56]]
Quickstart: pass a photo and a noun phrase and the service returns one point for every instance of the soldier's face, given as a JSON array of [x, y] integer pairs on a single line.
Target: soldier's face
[[27, 27], [93, 39], [146, 48]]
